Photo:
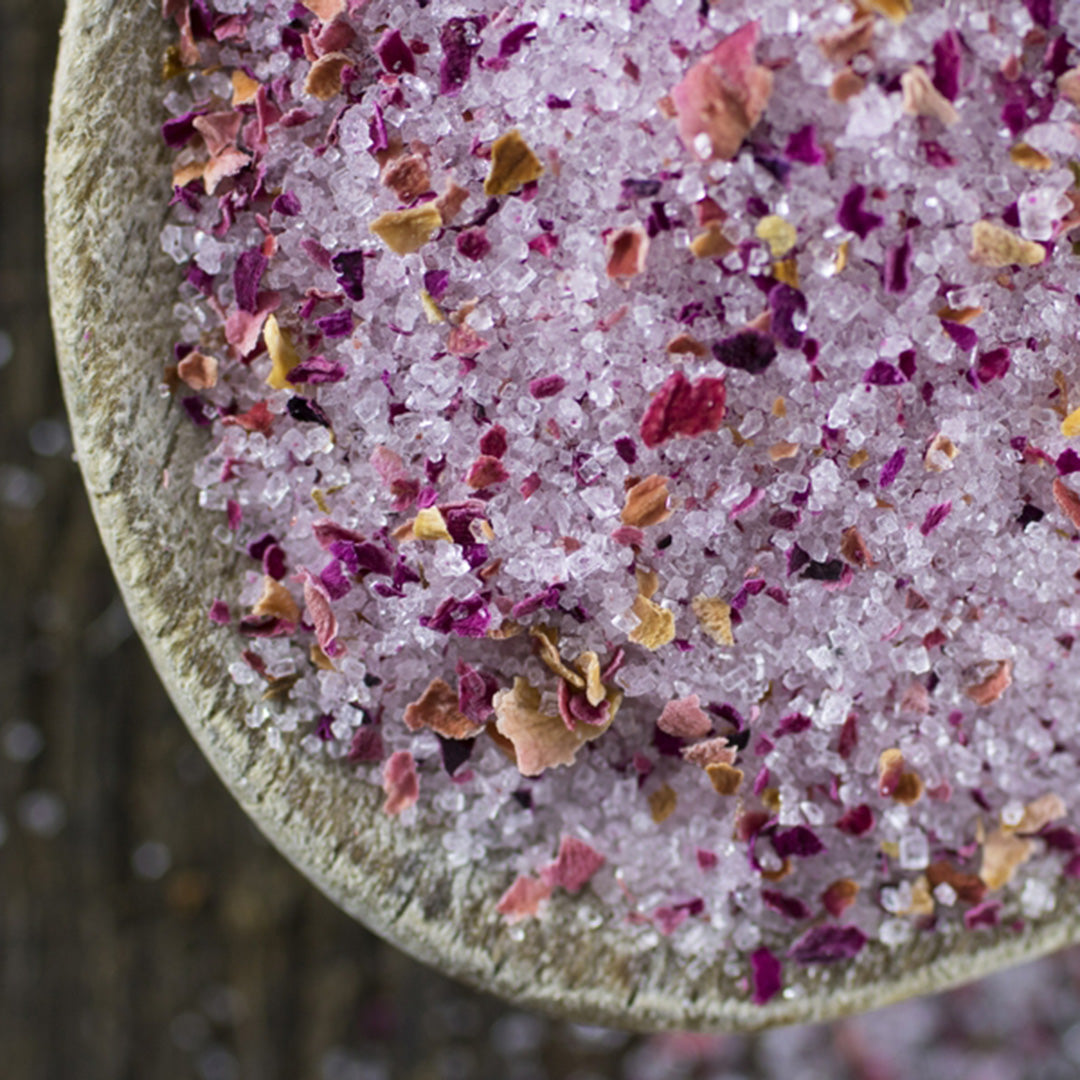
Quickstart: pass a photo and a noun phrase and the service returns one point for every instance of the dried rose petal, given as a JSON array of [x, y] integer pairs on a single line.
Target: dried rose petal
[[856, 820], [325, 77], [541, 740], [683, 408], [406, 231], [1003, 854], [716, 751], [722, 96], [922, 98], [684, 717], [574, 865], [747, 350], [993, 686], [827, 944], [839, 896], [765, 975], [400, 782], [523, 899], [627, 249], [646, 503], [1068, 502], [437, 708]]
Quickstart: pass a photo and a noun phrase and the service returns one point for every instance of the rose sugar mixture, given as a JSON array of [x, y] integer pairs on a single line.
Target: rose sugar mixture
[[650, 435]]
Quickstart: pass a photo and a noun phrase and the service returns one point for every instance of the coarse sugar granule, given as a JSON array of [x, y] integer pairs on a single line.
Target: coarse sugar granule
[[650, 430]]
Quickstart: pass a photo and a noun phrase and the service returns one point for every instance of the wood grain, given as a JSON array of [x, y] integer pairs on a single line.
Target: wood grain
[[110, 299]]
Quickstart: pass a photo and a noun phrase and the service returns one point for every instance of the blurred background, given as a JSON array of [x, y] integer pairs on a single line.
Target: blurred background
[[146, 929]]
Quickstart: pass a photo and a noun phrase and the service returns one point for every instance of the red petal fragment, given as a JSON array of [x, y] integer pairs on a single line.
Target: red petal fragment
[[993, 686], [1068, 501], [683, 408], [684, 717], [400, 782], [522, 900], [574, 865]]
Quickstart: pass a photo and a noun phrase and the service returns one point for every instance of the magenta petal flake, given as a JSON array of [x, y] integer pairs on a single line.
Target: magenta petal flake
[[827, 945]]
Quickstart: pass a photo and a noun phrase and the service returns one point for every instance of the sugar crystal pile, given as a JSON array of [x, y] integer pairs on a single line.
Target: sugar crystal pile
[[651, 433]]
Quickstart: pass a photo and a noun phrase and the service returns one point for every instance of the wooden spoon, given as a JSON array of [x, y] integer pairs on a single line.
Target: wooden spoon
[[112, 292]]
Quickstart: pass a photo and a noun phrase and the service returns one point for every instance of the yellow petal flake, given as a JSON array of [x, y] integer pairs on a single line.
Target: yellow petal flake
[[656, 625], [662, 803], [711, 243], [513, 165], [244, 88], [894, 10], [1070, 426], [993, 245], [282, 354], [406, 231], [429, 524], [778, 233], [725, 779], [1027, 157], [715, 618]]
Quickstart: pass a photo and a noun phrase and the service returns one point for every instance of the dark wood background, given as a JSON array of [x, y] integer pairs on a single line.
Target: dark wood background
[[146, 929]]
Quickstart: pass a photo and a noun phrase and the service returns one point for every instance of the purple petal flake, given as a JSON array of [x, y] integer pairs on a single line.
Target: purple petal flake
[[546, 386], [1068, 462], [349, 267], [984, 914], [336, 325], [965, 338], [307, 411], [466, 618], [891, 469], [286, 204], [827, 944], [947, 58], [934, 517], [765, 972], [250, 267], [474, 243], [896, 273], [394, 54], [317, 370], [790, 907], [1041, 11], [853, 217], [802, 147], [377, 133], [511, 43], [748, 350], [476, 691], [786, 305], [856, 820], [334, 581], [799, 841], [993, 364], [882, 373], [794, 724], [459, 39]]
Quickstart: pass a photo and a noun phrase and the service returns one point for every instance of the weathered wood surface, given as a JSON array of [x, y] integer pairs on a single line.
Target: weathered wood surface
[[232, 912]]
